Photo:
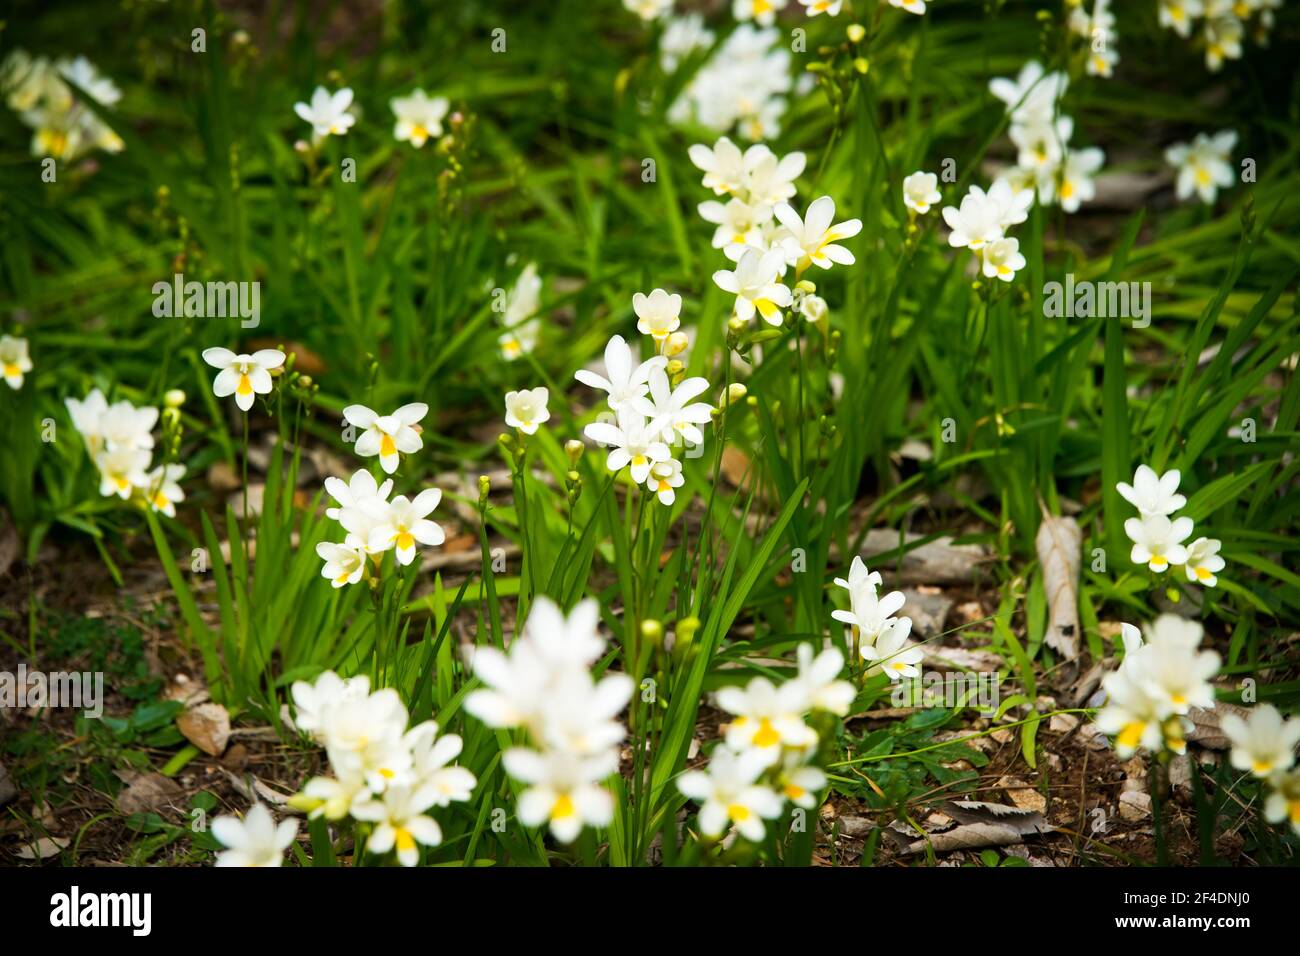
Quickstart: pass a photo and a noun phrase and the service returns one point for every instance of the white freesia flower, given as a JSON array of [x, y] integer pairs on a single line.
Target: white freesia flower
[[164, 488], [814, 239], [312, 702], [1222, 41], [563, 789], [729, 794], [123, 425], [1204, 166], [1040, 147], [828, 7], [921, 191], [1204, 562], [327, 113], [664, 480], [121, 470], [256, 840], [1002, 259], [658, 314], [768, 718], [681, 37], [242, 375], [911, 6], [388, 436], [14, 360], [755, 286], [623, 381], [344, 563], [1283, 800], [760, 11], [723, 165], [976, 221], [1131, 715], [892, 653], [1170, 670], [1157, 541], [1076, 185], [738, 222], [1178, 15], [675, 409], [404, 523], [859, 578], [419, 118], [431, 766], [1153, 494], [363, 736], [818, 680], [87, 418], [520, 339], [632, 441], [873, 615], [526, 409], [800, 783], [400, 822], [1264, 743], [768, 179], [1032, 96], [360, 491]]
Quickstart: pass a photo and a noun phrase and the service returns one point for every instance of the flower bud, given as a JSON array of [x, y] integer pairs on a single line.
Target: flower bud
[[174, 398], [856, 31], [574, 449], [677, 344]]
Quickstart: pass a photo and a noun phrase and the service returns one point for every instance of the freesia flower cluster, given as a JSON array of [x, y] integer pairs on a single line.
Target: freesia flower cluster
[[880, 636], [544, 685], [741, 88], [980, 223], [417, 117], [1159, 681], [654, 412], [1265, 745], [1098, 26], [766, 755], [119, 438], [385, 775], [1041, 133], [1158, 540], [762, 233], [1219, 25], [65, 127]]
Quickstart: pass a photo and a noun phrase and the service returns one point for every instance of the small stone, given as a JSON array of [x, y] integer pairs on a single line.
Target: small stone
[[1134, 805]]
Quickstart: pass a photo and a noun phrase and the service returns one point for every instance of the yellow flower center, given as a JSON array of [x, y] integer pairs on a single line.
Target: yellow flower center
[[404, 540], [794, 791], [1294, 808], [404, 839], [563, 807], [767, 734], [739, 813], [1158, 561], [419, 132], [387, 446], [11, 369], [1261, 767], [1204, 573], [160, 501], [245, 387], [1131, 733]]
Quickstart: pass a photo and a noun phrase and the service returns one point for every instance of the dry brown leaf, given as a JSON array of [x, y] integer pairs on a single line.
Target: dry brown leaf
[[206, 726], [145, 792], [1058, 543], [43, 849], [1205, 725]]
